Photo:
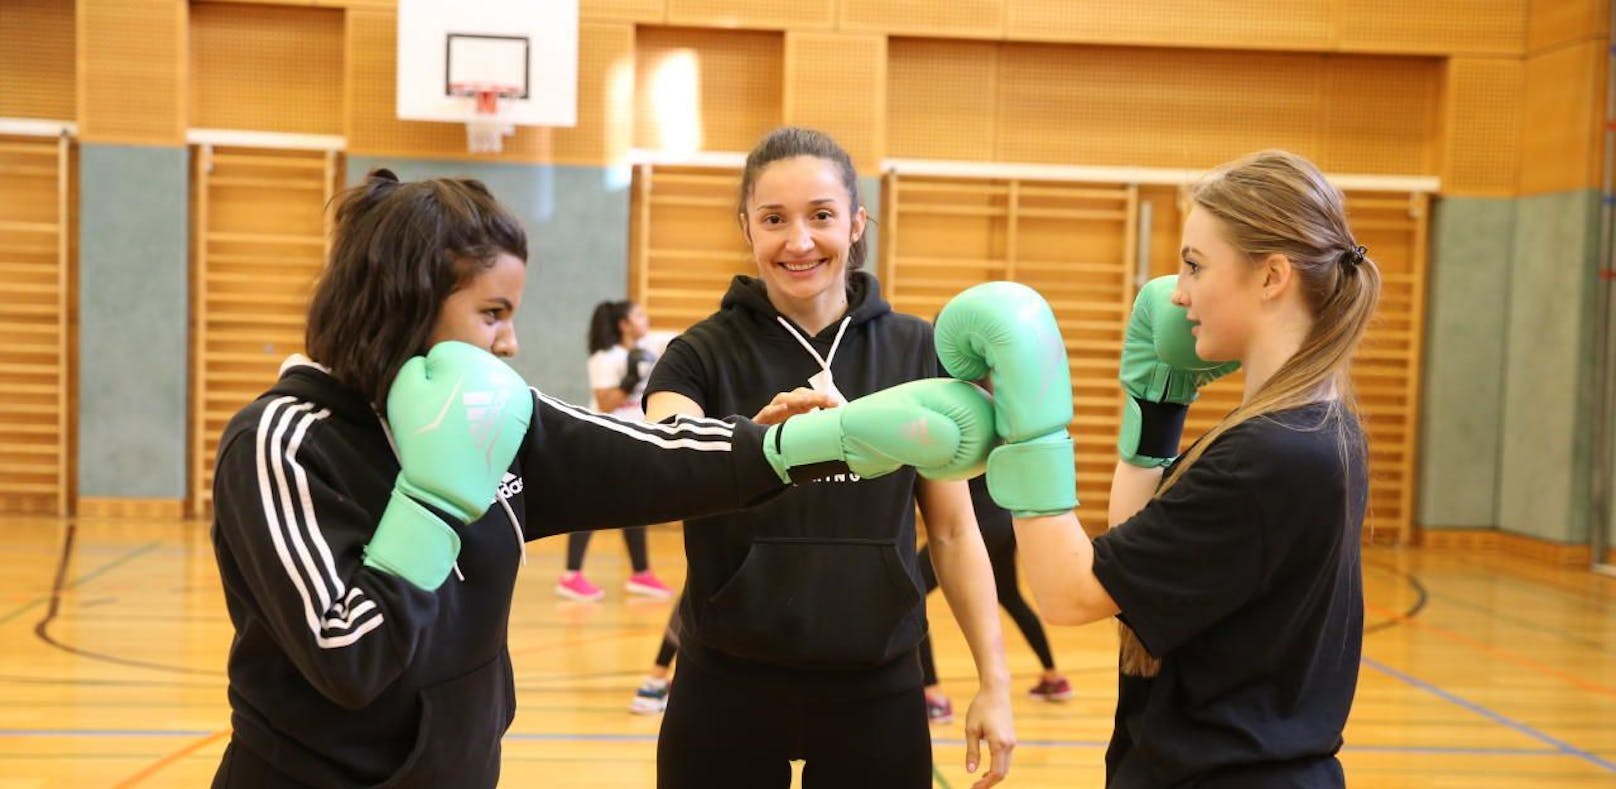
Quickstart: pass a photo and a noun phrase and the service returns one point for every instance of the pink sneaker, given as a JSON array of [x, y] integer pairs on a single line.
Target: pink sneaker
[[1052, 690], [647, 584], [574, 586], [938, 709]]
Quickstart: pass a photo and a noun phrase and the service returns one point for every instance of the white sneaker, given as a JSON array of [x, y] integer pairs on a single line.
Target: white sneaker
[[651, 698]]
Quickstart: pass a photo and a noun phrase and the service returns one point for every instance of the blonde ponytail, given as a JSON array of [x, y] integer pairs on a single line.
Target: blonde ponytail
[[1276, 202]]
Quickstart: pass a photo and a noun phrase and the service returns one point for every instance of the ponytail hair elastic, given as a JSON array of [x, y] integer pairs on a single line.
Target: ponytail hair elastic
[[1354, 257]]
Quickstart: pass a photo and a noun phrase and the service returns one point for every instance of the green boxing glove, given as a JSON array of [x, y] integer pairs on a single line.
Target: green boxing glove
[[458, 416], [1161, 376], [942, 427], [1007, 331]]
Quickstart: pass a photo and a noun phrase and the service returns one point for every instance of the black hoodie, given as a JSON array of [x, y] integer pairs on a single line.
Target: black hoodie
[[823, 577], [345, 675]]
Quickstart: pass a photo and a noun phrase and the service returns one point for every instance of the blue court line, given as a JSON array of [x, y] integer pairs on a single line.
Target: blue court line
[[651, 738], [1560, 746]]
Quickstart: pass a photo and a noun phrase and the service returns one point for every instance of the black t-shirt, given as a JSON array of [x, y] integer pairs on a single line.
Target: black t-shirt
[[1245, 579]]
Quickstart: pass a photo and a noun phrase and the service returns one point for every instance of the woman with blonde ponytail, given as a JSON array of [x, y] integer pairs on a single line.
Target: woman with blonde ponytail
[[1234, 569]]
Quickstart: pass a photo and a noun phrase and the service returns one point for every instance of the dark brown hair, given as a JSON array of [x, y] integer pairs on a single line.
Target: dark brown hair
[[605, 328], [397, 251], [788, 142]]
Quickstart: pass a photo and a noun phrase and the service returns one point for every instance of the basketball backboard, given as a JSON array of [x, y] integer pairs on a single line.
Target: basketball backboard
[[524, 50]]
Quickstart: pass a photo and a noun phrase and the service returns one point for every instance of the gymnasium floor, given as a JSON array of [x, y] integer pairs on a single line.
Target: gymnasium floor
[[1479, 670]]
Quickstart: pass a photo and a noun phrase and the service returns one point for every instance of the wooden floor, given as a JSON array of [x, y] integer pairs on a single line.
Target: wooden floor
[[1478, 671]]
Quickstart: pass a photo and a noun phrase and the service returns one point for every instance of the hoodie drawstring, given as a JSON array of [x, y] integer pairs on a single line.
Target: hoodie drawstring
[[510, 515], [827, 383]]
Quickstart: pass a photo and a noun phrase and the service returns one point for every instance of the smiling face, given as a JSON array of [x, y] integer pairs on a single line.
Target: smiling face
[[482, 312], [801, 224], [1219, 287]]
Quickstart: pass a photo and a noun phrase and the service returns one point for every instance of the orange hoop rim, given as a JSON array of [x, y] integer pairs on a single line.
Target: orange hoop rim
[[486, 95]]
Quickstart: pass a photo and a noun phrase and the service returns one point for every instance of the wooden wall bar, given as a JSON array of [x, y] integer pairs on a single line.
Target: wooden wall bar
[[260, 243], [36, 305]]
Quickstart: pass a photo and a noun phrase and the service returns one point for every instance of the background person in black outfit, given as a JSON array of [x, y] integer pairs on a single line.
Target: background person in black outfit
[[799, 621], [999, 537], [1239, 575]]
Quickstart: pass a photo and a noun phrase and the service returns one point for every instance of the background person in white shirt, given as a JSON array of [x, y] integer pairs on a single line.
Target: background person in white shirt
[[621, 353]]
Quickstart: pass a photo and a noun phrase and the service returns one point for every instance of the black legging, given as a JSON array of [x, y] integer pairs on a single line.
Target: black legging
[[633, 537], [670, 635], [999, 536], [733, 729]]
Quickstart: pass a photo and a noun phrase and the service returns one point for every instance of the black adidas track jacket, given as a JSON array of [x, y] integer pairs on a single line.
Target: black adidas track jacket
[[343, 675]]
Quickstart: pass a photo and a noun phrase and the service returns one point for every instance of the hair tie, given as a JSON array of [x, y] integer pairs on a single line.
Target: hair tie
[[1354, 257], [382, 174]]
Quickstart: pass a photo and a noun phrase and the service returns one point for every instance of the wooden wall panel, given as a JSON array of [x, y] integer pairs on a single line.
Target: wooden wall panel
[[718, 89], [386, 5], [687, 244], [36, 358], [605, 130], [962, 19], [1554, 23], [261, 242], [1101, 105], [1477, 27], [131, 71], [757, 14], [372, 125], [942, 99], [1563, 113], [1172, 108], [36, 59], [644, 11], [836, 82], [1381, 115], [1482, 125], [1253, 24], [266, 68]]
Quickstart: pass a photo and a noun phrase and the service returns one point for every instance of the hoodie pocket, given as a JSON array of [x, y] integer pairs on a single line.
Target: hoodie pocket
[[462, 720], [830, 603]]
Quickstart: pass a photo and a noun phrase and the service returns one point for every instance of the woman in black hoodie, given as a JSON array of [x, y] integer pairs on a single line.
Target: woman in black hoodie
[[368, 561], [800, 619]]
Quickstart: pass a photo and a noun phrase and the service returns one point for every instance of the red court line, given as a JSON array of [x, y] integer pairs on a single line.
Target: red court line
[[1504, 654], [158, 765]]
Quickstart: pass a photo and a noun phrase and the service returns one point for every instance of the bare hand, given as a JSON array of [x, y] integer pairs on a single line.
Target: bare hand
[[788, 404], [989, 719]]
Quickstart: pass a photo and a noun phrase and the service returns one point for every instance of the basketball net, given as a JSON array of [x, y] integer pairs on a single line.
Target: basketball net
[[485, 129]]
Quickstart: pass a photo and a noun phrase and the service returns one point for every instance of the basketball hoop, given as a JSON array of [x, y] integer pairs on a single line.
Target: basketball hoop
[[485, 129]]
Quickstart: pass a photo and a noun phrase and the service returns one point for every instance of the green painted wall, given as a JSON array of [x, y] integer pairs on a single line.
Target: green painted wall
[[1467, 314], [134, 321], [1548, 384]]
